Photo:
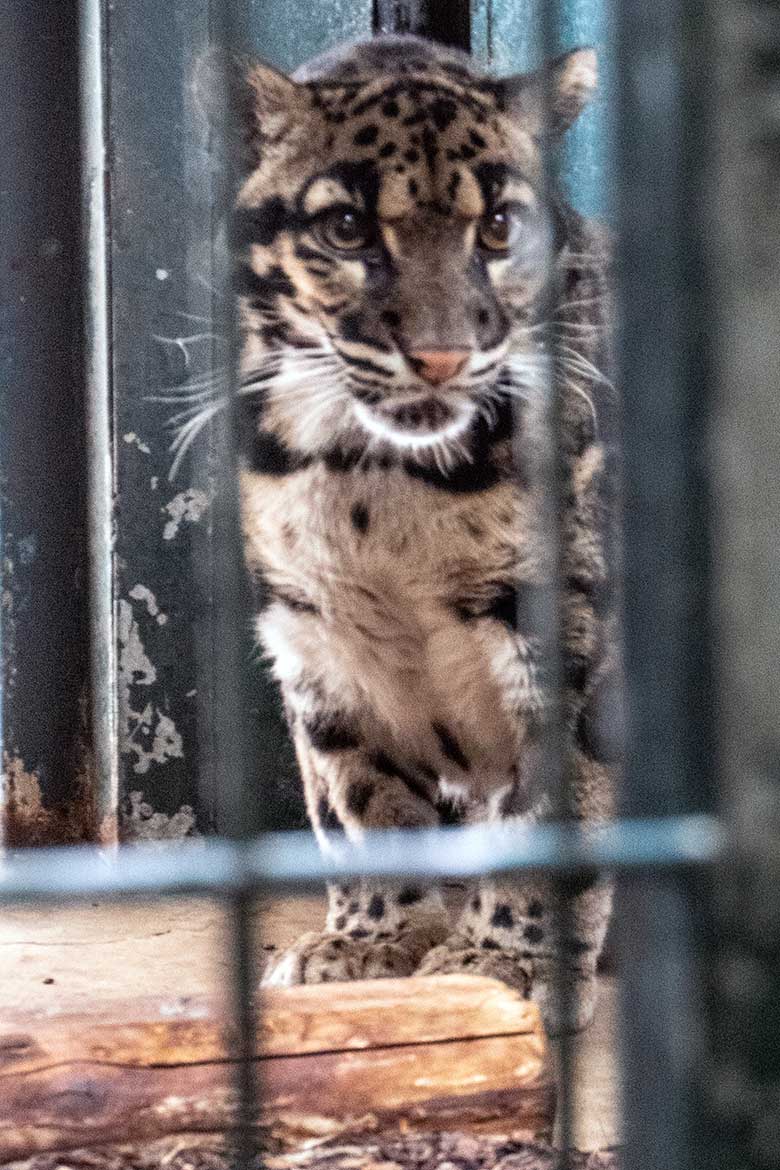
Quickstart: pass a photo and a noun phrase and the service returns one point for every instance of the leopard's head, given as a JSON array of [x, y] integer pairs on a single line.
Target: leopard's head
[[394, 238]]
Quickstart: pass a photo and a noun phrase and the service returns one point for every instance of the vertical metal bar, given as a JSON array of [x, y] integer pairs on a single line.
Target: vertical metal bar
[[662, 159], [744, 1011], [548, 619], [234, 765], [98, 419], [441, 20], [45, 793]]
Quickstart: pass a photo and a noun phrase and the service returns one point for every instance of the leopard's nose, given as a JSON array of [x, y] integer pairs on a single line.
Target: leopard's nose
[[438, 365]]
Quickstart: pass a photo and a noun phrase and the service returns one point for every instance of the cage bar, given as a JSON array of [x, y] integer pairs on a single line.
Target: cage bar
[[662, 173], [46, 790]]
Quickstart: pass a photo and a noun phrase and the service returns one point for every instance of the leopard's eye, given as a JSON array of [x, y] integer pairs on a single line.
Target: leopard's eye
[[346, 229], [497, 230]]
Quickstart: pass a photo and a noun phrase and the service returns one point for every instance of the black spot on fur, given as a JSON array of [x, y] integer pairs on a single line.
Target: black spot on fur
[[327, 816], [467, 151], [277, 280], [337, 459], [268, 456], [365, 394], [359, 932], [340, 922], [359, 178], [597, 592], [360, 517], [534, 933], [365, 364], [535, 908], [387, 150], [575, 946], [477, 140], [278, 332], [452, 186], [376, 907], [391, 318], [413, 188], [482, 473], [409, 895], [576, 669], [353, 907], [261, 225], [515, 801], [443, 111], [490, 944], [412, 156], [297, 604], [330, 733], [430, 146], [476, 903], [491, 177], [261, 290], [450, 812], [388, 767], [306, 252], [450, 746], [367, 135], [359, 795], [502, 916], [466, 478], [352, 330], [390, 109], [579, 883]]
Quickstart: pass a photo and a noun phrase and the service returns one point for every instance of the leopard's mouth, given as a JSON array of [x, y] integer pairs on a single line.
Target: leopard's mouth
[[416, 420]]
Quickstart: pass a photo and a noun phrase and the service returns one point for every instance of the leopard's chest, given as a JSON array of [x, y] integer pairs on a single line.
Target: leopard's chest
[[328, 533], [372, 575]]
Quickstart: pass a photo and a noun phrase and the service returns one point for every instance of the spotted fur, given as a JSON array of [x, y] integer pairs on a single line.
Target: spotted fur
[[394, 523]]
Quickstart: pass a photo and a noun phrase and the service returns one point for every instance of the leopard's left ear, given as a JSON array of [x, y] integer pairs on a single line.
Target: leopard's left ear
[[250, 100], [567, 83]]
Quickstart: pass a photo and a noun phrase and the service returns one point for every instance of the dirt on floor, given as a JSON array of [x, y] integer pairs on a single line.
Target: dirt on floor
[[440, 1151]]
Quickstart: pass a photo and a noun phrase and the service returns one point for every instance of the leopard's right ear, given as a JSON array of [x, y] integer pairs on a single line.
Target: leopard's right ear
[[250, 104]]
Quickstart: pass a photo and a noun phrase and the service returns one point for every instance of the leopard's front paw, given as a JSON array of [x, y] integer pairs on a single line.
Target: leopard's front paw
[[460, 955], [336, 958]]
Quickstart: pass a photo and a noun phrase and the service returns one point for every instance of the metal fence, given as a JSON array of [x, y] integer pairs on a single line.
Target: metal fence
[[85, 564]]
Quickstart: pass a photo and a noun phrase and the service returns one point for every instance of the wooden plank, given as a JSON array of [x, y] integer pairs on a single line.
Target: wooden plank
[[437, 1052], [295, 1021]]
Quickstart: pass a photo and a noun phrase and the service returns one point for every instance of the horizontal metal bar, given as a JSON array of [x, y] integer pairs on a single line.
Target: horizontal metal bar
[[290, 860]]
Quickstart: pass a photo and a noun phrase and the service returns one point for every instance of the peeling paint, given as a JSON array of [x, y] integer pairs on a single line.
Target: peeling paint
[[186, 507], [26, 821], [149, 734], [141, 593], [132, 438], [142, 823]]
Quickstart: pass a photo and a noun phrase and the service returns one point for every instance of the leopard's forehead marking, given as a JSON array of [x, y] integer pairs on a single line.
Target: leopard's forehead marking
[[427, 136]]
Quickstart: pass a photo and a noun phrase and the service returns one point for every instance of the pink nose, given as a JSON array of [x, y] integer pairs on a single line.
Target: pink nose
[[438, 365]]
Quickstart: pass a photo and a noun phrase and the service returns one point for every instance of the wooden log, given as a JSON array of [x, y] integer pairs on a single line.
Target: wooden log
[[439, 1052]]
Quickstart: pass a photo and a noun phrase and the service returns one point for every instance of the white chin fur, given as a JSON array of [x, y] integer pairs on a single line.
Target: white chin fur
[[413, 441]]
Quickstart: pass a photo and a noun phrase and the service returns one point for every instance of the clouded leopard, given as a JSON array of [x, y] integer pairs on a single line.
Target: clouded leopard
[[397, 312]]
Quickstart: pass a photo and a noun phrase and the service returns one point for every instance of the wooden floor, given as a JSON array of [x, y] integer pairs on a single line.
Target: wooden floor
[[80, 959]]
